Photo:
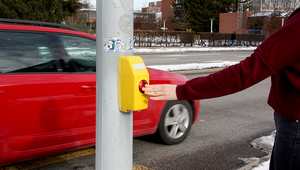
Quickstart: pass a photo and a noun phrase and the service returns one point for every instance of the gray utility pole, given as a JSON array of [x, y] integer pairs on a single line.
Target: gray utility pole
[[113, 128], [240, 18], [211, 25]]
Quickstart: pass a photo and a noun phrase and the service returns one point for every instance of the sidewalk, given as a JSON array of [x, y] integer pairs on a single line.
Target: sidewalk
[[257, 164]]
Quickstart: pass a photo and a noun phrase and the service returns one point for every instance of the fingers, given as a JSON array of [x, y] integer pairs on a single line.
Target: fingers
[[162, 97], [153, 90], [161, 92]]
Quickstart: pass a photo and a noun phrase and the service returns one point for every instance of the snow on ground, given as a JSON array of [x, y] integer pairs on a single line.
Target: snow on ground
[[263, 166], [192, 66], [264, 143]]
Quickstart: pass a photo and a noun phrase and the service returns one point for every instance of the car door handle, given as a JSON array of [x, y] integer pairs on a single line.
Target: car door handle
[[88, 87], [1, 91]]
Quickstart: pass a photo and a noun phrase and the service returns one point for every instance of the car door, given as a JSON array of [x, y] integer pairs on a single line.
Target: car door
[[81, 52], [38, 105]]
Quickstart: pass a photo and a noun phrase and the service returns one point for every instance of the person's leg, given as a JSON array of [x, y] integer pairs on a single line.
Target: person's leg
[[296, 152], [271, 166], [286, 150]]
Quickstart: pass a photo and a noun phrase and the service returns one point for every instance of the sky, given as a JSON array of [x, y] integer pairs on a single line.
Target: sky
[[138, 4]]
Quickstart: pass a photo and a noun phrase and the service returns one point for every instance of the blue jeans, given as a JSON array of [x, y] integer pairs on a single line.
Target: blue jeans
[[286, 150], [233, 42]]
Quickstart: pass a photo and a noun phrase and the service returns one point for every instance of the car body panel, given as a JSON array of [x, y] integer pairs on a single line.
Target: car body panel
[[37, 103]]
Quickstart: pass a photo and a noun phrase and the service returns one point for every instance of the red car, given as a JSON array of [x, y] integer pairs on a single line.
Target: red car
[[44, 106]]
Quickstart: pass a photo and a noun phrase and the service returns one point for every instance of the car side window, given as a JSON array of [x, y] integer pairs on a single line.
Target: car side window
[[82, 52], [25, 52]]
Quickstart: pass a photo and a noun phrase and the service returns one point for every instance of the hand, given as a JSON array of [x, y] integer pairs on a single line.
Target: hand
[[161, 91]]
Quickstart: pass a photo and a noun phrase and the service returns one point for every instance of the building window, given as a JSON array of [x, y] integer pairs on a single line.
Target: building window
[[83, 15], [179, 1], [93, 14]]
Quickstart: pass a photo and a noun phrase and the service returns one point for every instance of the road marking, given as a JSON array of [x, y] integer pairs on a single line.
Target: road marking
[[207, 54], [39, 162], [160, 59], [139, 167], [9, 168], [245, 56], [171, 59], [202, 120], [36, 163], [213, 61], [174, 56]]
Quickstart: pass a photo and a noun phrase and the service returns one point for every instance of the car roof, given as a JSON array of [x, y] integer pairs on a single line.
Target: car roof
[[5, 26]]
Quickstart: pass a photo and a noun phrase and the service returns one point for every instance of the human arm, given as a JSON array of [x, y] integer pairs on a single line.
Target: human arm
[[274, 54], [279, 52]]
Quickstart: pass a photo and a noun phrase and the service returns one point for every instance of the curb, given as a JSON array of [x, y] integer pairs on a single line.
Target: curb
[[166, 50], [197, 71], [255, 163]]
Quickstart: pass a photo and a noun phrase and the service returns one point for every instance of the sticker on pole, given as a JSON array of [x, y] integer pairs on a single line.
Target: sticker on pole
[[126, 4], [114, 45]]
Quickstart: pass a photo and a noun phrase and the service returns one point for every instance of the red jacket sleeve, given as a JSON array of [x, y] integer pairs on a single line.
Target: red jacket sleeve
[[275, 53]]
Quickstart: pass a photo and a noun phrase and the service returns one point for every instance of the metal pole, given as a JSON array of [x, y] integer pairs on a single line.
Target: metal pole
[[113, 128], [260, 9], [211, 25]]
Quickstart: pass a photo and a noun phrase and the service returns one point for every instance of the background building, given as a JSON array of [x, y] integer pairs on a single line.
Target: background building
[[266, 17], [84, 19], [153, 7], [147, 20], [166, 10]]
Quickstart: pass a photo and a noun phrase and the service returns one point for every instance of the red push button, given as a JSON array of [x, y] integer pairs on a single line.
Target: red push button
[[142, 84]]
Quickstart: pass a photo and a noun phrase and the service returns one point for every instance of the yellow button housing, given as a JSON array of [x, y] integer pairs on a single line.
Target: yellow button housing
[[131, 72]]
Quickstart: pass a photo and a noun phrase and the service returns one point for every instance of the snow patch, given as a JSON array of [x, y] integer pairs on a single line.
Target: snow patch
[[264, 143], [192, 66]]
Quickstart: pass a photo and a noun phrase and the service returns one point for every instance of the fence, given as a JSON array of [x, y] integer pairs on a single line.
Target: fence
[[146, 38], [149, 38], [221, 39]]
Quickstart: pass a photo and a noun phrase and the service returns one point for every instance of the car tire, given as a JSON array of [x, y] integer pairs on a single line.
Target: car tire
[[175, 122]]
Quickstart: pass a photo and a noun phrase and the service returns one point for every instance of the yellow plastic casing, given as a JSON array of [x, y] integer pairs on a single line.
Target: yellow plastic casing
[[131, 71]]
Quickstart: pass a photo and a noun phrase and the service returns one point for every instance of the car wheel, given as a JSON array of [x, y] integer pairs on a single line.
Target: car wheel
[[175, 123]]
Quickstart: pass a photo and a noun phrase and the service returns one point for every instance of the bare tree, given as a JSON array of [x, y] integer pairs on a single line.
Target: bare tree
[[279, 10], [181, 22], [281, 5]]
